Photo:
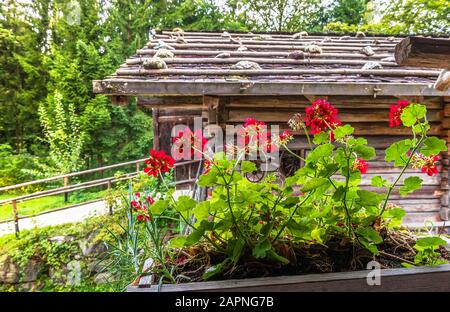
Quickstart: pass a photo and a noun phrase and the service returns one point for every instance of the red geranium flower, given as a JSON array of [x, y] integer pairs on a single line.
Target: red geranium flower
[[360, 165], [150, 200], [254, 135], [426, 164], [430, 167], [321, 116], [395, 112], [195, 142], [144, 217], [285, 137], [158, 163]]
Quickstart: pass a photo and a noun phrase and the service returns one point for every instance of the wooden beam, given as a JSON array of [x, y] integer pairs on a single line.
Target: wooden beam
[[124, 86], [423, 52], [261, 54], [138, 71]]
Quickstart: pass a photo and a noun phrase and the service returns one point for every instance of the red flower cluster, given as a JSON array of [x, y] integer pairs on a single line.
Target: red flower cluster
[[285, 137], [360, 165], [158, 163], [253, 124], [321, 116], [426, 164], [254, 135], [189, 144], [430, 167], [141, 207], [395, 112]]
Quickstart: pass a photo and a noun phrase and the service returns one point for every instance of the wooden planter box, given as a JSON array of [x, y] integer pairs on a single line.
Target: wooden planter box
[[432, 278]]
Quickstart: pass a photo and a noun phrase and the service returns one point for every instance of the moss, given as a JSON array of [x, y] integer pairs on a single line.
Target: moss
[[53, 258]]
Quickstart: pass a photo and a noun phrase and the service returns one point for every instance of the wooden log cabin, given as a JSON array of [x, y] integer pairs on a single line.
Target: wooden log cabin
[[203, 76]]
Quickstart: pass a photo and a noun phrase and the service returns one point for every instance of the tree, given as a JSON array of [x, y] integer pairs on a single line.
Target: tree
[[63, 134], [350, 12]]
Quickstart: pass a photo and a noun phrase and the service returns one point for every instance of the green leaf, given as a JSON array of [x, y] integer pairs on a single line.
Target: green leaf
[[216, 269], [433, 146], [321, 151], [370, 234], [412, 113], [239, 245], [339, 194], [430, 242], [177, 242], [321, 138], [397, 152], [314, 183], [274, 256], [318, 233], [410, 185], [378, 181], [209, 179], [159, 206], [342, 131], [364, 151], [369, 199], [260, 250], [395, 216], [185, 203], [248, 166], [329, 170], [201, 211], [194, 237]]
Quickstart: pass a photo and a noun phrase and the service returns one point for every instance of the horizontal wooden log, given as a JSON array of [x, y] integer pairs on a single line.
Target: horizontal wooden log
[[421, 218], [346, 115], [270, 42], [276, 72], [274, 35], [264, 54], [283, 47], [134, 86], [377, 129], [366, 179], [260, 60], [423, 52], [359, 102]]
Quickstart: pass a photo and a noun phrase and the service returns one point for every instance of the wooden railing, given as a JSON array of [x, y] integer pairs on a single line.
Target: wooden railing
[[67, 188]]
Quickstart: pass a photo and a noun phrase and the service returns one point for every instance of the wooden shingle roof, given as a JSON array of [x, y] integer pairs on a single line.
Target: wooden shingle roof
[[196, 63]]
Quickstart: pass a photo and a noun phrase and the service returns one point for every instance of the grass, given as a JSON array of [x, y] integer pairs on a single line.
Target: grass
[[38, 205]]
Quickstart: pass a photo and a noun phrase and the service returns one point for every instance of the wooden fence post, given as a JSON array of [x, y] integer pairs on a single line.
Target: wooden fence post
[[16, 217], [138, 167], [66, 194], [110, 206]]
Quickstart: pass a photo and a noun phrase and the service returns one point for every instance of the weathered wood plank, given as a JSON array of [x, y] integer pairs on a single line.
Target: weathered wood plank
[[346, 115], [223, 87], [433, 278], [138, 71]]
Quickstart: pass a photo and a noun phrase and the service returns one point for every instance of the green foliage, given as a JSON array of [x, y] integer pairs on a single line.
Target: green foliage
[[426, 251], [52, 257], [243, 218], [410, 184]]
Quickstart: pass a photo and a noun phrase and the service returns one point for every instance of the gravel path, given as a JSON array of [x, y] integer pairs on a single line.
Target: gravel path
[[66, 215]]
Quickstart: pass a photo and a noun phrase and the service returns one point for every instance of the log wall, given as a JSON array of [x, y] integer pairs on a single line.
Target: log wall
[[369, 116]]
